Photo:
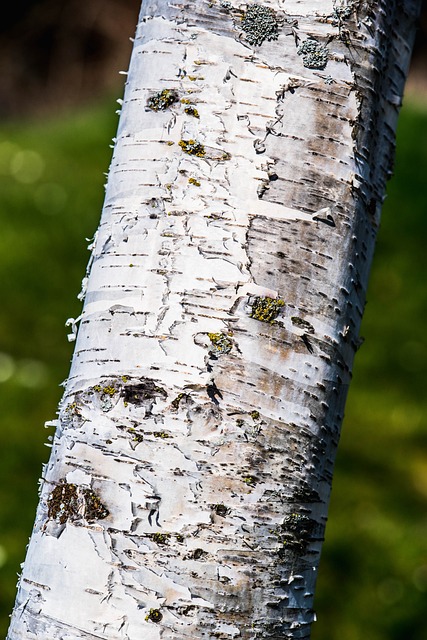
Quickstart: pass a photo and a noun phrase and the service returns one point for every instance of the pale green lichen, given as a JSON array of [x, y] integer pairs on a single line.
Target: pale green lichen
[[314, 55], [266, 309], [259, 24]]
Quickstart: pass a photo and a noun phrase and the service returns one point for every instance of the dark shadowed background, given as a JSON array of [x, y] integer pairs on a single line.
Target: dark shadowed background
[[59, 64]]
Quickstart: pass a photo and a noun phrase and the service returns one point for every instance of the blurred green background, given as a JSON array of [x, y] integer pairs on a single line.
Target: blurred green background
[[53, 155]]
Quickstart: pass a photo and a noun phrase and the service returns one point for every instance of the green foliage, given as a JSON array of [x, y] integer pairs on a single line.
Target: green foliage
[[373, 574]]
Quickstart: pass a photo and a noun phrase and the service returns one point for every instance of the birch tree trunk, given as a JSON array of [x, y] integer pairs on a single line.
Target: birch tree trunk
[[187, 490]]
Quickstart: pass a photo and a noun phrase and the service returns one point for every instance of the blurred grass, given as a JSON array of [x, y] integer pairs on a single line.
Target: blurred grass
[[373, 575]]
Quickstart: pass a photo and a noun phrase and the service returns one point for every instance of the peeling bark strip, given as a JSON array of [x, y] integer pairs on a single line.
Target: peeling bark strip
[[186, 494]]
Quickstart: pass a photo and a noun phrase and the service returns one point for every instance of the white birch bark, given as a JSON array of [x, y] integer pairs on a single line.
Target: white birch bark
[[187, 491]]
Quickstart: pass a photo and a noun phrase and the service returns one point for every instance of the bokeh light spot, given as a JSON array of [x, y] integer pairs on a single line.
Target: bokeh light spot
[[27, 166]]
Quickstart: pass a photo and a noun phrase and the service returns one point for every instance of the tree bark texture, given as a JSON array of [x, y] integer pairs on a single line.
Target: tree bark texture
[[187, 490]]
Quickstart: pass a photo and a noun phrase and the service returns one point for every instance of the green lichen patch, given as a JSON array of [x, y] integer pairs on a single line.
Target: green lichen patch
[[302, 324], [108, 389], [259, 24], [193, 148], [136, 436], [221, 344], [192, 111], [161, 539], [154, 615], [161, 101], [70, 502], [181, 397], [251, 481], [254, 415], [72, 408], [194, 182], [266, 309], [314, 55], [161, 434]]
